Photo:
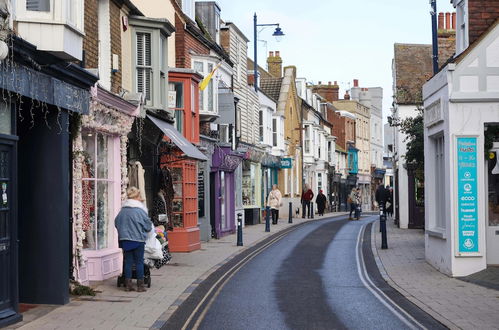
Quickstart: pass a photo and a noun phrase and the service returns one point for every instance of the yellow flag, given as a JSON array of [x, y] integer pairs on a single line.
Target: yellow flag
[[204, 83]]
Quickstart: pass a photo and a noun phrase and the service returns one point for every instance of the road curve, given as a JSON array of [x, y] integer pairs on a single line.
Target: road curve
[[321, 275]]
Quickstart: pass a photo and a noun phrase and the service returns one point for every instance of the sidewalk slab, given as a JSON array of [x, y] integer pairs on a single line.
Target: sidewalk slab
[[112, 307], [456, 304]]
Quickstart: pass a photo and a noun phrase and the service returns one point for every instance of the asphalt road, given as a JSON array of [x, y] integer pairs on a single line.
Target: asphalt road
[[320, 275]]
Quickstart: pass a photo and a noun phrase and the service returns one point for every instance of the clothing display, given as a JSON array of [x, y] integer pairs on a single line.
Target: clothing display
[[87, 200], [159, 210], [166, 184], [136, 178]]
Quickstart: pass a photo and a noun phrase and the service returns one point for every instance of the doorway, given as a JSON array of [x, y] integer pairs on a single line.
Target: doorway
[[492, 209]]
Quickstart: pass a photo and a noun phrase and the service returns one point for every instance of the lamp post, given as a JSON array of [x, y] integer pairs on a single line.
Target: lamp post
[[278, 34]]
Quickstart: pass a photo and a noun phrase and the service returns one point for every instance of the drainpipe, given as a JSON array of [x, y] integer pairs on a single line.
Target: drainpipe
[[434, 34]]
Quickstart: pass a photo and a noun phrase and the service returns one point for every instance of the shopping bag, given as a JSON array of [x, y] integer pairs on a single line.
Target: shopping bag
[[152, 249]]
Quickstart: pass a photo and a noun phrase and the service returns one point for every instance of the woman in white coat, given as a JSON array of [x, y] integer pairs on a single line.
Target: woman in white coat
[[274, 201]]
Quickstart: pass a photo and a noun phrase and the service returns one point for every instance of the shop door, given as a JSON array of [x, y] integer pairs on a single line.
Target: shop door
[[493, 207], [8, 253]]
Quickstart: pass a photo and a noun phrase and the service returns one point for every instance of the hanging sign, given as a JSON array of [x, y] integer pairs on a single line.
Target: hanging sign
[[286, 162], [467, 194]]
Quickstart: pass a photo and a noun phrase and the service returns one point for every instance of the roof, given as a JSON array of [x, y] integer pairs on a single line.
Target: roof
[[271, 87], [412, 68], [263, 73]]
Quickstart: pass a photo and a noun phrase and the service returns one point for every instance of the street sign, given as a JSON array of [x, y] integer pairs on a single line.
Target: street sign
[[467, 194], [286, 162]]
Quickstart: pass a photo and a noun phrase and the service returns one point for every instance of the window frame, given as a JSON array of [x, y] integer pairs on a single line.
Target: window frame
[[204, 96]]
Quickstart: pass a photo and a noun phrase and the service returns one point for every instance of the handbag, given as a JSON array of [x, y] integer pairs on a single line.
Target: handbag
[[153, 248]]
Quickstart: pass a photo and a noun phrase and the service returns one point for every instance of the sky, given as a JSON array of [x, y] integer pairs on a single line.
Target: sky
[[336, 40]]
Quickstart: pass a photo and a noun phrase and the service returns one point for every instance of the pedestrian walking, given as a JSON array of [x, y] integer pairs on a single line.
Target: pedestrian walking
[[320, 200], [274, 201], [358, 203], [382, 195], [389, 202], [351, 202], [306, 199], [133, 225]]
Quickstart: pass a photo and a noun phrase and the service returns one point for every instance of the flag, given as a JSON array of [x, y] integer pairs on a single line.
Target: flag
[[204, 83]]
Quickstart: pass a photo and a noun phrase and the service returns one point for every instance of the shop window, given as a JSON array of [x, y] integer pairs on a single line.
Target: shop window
[[307, 139], [176, 103], [5, 118], [249, 184], [97, 185], [319, 181], [439, 182]]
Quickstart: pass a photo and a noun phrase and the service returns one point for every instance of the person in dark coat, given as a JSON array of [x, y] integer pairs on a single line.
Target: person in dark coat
[[321, 202], [389, 205], [306, 199], [382, 195]]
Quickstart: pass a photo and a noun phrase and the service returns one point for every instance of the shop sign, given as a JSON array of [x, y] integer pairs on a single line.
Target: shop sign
[[286, 162], [467, 194]]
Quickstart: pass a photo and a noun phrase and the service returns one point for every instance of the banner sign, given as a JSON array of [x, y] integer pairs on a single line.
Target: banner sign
[[467, 194], [286, 162]]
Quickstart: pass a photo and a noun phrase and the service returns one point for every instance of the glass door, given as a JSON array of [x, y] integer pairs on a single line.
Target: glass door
[[223, 213], [492, 166]]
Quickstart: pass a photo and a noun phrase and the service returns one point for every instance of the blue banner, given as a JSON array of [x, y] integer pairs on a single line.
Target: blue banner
[[467, 194]]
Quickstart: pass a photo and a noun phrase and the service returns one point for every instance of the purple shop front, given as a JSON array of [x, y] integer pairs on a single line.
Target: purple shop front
[[222, 191]]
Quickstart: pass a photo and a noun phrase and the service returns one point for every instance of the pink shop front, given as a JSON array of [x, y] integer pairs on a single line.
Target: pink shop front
[[99, 184]]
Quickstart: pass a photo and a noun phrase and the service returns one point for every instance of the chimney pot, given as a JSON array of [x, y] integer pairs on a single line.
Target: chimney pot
[[441, 20], [271, 54], [447, 21], [320, 82], [277, 53], [329, 83], [356, 83], [335, 82], [453, 21]]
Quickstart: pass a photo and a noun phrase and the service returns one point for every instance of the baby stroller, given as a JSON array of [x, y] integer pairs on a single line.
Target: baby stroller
[[147, 275]]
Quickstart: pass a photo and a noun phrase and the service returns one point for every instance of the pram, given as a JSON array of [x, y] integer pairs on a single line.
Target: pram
[[147, 275]]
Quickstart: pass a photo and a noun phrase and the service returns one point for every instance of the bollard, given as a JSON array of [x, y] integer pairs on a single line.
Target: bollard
[[382, 224], [311, 210], [267, 219], [290, 218], [239, 229]]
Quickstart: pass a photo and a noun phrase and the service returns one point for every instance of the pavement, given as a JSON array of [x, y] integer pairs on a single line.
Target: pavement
[[113, 308], [455, 303]]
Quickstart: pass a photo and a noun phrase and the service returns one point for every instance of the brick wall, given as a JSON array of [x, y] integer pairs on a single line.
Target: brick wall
[[446, 46], [184, 44], [225, 40], [330, 91], [91, 39], [114, 13], [275, 64], [338, 128], [481, 15]]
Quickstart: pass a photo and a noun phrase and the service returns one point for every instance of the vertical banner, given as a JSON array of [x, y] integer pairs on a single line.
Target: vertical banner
[[467, 194]]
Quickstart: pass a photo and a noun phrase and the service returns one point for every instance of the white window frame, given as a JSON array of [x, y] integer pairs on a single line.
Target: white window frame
[[462, 33], [189, 8], [439, 181], [159, 63], [213, 85]]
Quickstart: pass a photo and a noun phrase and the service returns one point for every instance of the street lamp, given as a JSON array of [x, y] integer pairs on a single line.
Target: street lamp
[[278, 34]]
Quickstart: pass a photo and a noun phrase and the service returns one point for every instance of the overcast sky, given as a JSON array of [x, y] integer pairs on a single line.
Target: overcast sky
[[330, 40]]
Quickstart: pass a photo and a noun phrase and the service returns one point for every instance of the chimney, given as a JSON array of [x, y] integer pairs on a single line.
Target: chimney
[[453, 21], [447, 21], [441, 20], [277, 53], [446, 39], [356, 83], [330, 91], [275, 64], [346, 96]]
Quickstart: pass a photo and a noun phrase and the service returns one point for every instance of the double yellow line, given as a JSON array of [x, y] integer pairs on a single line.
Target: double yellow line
[[226, 277]]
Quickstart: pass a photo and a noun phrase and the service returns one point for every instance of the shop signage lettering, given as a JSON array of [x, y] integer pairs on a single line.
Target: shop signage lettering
[[286, 163], [467, 194]]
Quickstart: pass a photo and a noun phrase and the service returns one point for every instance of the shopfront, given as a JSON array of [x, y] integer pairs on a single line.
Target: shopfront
[[461, 132], [252, 186], [223, 210], [99, 184], [270, 172], [36, 121]]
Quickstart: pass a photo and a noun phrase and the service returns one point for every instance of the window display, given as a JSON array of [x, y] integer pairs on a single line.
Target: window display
[[249, 184], [96, 189], [177, 178]]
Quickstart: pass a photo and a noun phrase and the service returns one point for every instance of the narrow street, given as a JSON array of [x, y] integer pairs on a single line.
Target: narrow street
[[320, 275]]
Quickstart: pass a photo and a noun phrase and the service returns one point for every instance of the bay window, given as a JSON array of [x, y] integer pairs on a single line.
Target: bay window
[[307, 139], [274, 132], [97, 189], [150, 60]]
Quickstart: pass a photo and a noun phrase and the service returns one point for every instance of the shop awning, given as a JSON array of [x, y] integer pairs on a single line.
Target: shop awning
[[178, 139]]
